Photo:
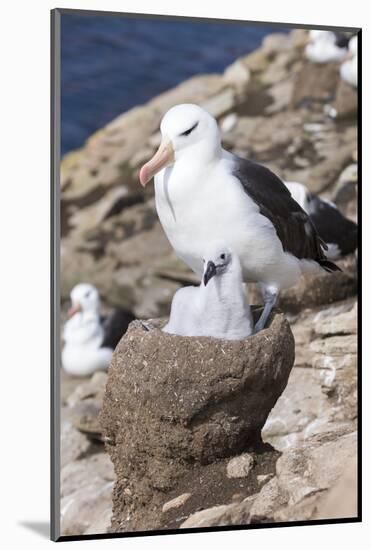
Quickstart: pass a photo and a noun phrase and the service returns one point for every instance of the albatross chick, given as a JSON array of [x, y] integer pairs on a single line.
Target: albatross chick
[[219, 306]]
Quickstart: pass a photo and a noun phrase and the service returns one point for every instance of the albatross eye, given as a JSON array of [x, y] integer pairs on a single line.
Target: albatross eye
[[187, 132], [222, 256]]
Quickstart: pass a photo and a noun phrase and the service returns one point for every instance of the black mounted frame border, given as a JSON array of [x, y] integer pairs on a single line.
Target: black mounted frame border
[[55, 153]]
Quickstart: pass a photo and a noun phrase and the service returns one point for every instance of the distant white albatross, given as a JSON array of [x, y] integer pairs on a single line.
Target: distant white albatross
[[325, 46], [339, 233], [349, 68], [205, 194], [89, 338], [218, 307]]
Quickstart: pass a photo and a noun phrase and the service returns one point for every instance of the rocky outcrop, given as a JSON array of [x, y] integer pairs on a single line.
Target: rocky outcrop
[[323, 289], [322, 391], [302, 473], [86, 478], [174, 405], [307, 480], [86, 490]]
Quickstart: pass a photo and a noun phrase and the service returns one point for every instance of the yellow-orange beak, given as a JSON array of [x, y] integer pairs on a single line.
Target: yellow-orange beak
[[74, 309], [163, 157]]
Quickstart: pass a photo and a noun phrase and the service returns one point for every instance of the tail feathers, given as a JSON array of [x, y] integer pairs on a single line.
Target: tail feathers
[[328, 266]]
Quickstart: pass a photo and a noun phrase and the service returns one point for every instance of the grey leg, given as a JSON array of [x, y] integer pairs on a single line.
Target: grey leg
[[270, 297]]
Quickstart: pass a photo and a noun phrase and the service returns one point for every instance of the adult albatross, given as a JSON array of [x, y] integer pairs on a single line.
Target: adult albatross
[[204, 193], [90, 338]]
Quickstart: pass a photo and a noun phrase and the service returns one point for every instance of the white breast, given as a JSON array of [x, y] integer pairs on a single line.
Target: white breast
[[200, 204], [219, 310], [82, 354]]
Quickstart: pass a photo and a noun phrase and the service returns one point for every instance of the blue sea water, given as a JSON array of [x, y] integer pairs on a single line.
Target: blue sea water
[[110, 64]]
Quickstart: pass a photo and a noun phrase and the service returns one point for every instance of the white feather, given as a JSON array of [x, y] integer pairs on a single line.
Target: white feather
[[83, 335], [199, 202], [219, 310]]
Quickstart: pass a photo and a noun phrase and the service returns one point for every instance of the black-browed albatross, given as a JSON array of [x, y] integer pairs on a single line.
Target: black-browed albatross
[[339, 233], [204, 194], [90, 338]]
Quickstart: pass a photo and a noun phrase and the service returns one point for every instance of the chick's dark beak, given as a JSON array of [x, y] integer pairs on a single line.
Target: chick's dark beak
[[209, 273]]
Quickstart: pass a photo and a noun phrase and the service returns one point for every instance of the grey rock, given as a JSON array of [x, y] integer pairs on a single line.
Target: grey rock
[[220, 104], [240, 466], [303, 473], [101, 524], [340, 324], [346, 100], [92, 388], [341, 501], [73, 443], [84, 416], [325, 395], [238, 74], [301, 410], [84, 220], [270, 498], [68, 383], [82, 473], [257, 61], [176, 502], [228, 514], [264, 478], [325, 173], [338, 502], [277, 42], [84, 404], [84, 507], [209, 517], [335, 346], [280, 94], [315, 82], [277, 70], [322, 289]]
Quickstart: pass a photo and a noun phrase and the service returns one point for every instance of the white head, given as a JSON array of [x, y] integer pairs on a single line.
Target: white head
[[218, 259], [84, 298], [186, 129], [322, 36]]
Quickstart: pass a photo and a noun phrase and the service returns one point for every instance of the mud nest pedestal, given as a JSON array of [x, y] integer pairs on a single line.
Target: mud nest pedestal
[[174, 404]]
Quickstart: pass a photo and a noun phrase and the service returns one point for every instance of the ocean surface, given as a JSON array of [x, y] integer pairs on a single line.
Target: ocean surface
[[110, 64]]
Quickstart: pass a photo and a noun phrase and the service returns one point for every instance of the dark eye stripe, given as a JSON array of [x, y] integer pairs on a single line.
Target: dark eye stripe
[[187, 132]]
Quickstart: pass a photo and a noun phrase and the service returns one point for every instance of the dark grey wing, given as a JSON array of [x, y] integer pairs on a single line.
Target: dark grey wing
[[293, 226], [115, 326], [332, 226]]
